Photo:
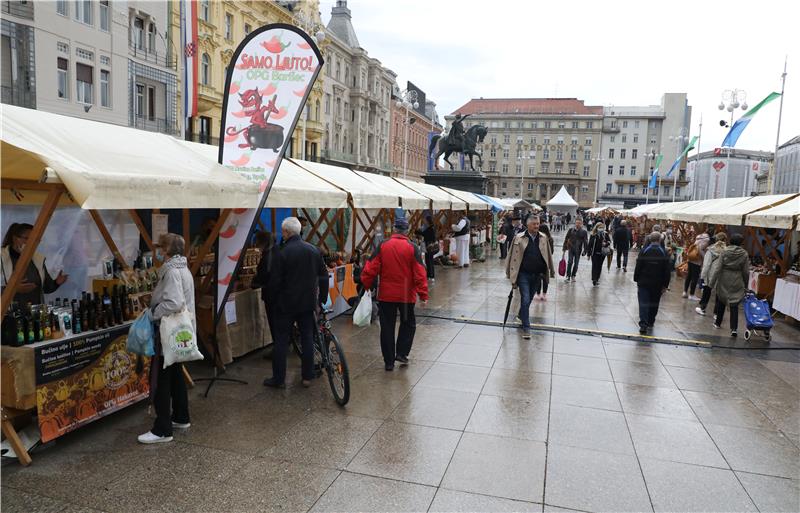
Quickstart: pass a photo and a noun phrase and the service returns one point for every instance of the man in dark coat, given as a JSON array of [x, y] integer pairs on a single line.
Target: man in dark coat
[[652, 274], [300, 279], [622, 243]]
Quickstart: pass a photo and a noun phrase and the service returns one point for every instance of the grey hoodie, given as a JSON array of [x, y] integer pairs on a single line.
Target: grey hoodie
[[709, 258], [175, 289], [729, 274]]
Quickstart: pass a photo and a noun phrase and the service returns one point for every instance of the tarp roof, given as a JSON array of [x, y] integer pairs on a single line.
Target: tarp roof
[[496, 204], [365, 194], [780, 216], [294, 187], [735, 214], [562, 199], [472, 200], [412, 200], [601, 209], [440, 198], [513, 203], [105, 166]]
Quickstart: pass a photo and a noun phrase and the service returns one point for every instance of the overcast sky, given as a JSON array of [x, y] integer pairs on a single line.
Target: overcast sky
[[605, 53]]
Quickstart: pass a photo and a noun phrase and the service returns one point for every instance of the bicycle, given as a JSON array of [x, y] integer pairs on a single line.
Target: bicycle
[[328, 354]]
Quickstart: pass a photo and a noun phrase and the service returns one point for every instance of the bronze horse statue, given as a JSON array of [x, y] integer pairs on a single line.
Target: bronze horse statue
[[474, 135]]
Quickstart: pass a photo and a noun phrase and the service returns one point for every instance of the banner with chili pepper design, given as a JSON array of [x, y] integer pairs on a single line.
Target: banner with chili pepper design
[[269, 79]]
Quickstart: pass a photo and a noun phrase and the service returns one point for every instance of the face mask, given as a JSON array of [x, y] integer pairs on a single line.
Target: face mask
[[159, 255], [600, 229]]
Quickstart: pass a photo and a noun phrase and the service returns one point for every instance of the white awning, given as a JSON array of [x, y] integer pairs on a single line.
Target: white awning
[[365, 194], [473, 202], [735, 214], [562, 199], [105, 166], [411, 200], [440, 199], [781, 216], [294, 187]]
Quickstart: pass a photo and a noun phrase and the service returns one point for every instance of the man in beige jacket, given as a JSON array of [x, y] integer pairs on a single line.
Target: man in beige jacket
[[529, 262]]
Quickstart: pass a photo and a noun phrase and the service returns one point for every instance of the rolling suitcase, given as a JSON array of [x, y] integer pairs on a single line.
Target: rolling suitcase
[[757, 316]]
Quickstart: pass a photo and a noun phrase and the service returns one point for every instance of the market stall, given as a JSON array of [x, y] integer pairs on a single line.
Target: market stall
[[562, 202]]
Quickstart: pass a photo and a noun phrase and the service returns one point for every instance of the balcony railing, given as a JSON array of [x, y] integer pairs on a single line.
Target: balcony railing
[[17, 96], [17, 8], [164, 60], [338, 156], [163, 126]]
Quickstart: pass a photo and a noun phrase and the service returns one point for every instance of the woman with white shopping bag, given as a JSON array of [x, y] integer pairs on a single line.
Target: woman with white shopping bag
[[172, 305]]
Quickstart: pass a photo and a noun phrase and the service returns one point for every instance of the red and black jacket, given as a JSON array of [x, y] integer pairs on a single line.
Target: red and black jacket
[[398, 263]]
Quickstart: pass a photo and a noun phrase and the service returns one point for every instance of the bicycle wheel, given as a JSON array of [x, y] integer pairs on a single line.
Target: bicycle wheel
[[295, 340], [338, 374]]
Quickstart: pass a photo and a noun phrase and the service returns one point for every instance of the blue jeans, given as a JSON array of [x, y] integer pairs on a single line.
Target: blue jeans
[[572, 263], [528, 284]]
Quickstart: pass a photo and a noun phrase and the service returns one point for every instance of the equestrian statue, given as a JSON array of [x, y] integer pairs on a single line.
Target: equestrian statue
[[458, 141]]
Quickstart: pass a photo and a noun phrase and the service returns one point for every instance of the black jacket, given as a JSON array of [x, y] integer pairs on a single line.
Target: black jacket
[[652, 268], [263, 275], [596, 243], [622, 238], [428, 234], [508, 230], [299, 278]]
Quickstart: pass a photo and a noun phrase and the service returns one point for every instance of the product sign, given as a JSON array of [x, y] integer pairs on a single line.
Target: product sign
[[268, 82], [82, 379]]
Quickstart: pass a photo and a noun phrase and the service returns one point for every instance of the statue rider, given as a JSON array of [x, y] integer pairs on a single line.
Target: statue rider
[[456, 136]]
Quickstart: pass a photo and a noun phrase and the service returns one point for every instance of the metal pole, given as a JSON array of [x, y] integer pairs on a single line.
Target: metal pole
[[697, 159], [405, 145], [678, 171], [303, 143], [647, 179], [778, 135]]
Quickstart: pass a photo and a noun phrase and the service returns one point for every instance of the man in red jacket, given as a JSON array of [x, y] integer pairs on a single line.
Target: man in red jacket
[[398, 263]]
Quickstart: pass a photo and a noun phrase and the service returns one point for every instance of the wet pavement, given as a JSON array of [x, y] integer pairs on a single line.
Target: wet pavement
[[481, 420]]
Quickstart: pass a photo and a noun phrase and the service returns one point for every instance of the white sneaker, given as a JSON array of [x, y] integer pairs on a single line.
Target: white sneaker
[[694, 298], [700, 311], [543, 297], [150, 438], [178, 425], [684, 295], [717, 326]]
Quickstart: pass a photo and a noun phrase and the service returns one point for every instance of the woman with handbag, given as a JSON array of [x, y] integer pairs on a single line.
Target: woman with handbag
[[599, 250], [428, 234], [173, 294]]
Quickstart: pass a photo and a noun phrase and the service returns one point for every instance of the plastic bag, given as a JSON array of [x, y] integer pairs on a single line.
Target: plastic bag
[[363, 314], [141, 336], [562, 266], [178, 338]]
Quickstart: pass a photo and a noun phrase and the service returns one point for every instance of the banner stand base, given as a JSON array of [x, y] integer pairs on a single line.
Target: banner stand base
[[216, 377]]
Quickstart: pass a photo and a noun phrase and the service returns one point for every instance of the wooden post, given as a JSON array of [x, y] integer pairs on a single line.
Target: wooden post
[[13, 439], [186, 230], [355, 222], [142, 230], [203, 251], [341, 241], [107, 238], [35, 237]]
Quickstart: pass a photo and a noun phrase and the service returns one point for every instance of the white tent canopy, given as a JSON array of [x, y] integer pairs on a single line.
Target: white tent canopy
[[562, 199], [735, 214], [411, 200], [365, 194], [294, 186], [780, 216], [473, 202], [439, 198], [513, 203], [105, 166]]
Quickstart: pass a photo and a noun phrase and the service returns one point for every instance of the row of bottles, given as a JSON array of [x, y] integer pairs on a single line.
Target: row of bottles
[[28, 324]]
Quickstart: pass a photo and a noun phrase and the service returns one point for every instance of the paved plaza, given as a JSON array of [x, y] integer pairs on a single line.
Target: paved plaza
[[481, 420]]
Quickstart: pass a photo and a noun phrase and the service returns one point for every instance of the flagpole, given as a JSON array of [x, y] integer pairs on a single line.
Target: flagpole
[[694, 175], [778, 135]]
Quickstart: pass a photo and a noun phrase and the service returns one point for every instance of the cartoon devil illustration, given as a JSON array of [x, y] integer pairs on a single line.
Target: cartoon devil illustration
[[260, 133]]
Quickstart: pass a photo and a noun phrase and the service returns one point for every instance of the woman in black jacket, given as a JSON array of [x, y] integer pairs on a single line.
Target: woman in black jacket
[[428, 234], [508, 231], [599, 249]]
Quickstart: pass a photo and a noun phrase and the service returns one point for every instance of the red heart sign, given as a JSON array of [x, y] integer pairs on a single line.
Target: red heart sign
[[718, 165]]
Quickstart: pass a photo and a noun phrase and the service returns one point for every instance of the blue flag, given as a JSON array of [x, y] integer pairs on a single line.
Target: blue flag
[[654, 178], [741, 123]]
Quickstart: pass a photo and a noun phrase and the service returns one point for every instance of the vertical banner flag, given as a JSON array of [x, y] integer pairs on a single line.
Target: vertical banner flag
[[654, 178], [269, 79], [686, 150], [741, 123], [190, 57]]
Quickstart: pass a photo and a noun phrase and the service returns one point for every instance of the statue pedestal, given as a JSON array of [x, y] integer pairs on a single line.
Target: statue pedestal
[[472, 181]]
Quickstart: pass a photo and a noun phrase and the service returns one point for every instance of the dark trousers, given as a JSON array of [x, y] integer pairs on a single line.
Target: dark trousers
[[170, 400], [572, 264], [429, 263], [622, 254], [706, 297], [283, 329], [649, 299], [528, 284], [597, 266], [401, 346], [504, 249], [690, 284], [719, 314]]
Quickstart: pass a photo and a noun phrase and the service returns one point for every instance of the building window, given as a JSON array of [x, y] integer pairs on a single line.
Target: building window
[[504, 185], [327, 104], [644, 189], [205, 10], [574, 140], [585, 170], [83, 11], [562, 124], [575, 125], [494, 139], [666, 190], [621, 170], [534, 124], [631, 190], [139, 100], [624, 138], [63, 78], [138, 33], [530, 186], [620, 189], [105, 60], [206, 69], [492, 167], [62, 7], [560, 139], [573, 154], [611, 170], [677, 191], [573, 169], [558, 169], [636, 137], [622, 153], [506, 139], [545, 167], [625, 124], [559, 154], [519, 139], [84, 76], [247, 28], [634, 153], [547, 139], [533, 140], [546, 154], [613, 123], [636, 124], [493, 152], [228, 26], [587, 154], [505, 153], [151, 103], [105, 88], [505, 169], [546, 124], [608, 188], [507, 124], [84, 54], [151, 38], [104, 15], [611, 153], [590, 124], [519, 169], [633, 170]]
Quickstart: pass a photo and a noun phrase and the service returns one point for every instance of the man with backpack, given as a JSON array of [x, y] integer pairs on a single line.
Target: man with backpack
[[622, 243], [651, 274]]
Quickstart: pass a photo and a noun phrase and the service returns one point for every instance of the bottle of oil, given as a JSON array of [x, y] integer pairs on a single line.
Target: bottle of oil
[[47, 332], [108, 310], [76, 318]]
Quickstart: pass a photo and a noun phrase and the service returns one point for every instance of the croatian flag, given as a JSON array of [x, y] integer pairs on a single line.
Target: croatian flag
[[741, 123], [190, 57]]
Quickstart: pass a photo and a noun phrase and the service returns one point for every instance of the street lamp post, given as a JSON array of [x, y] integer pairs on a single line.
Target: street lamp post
[[648, 157], [408, 99], [732, 99], [679, 140]]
